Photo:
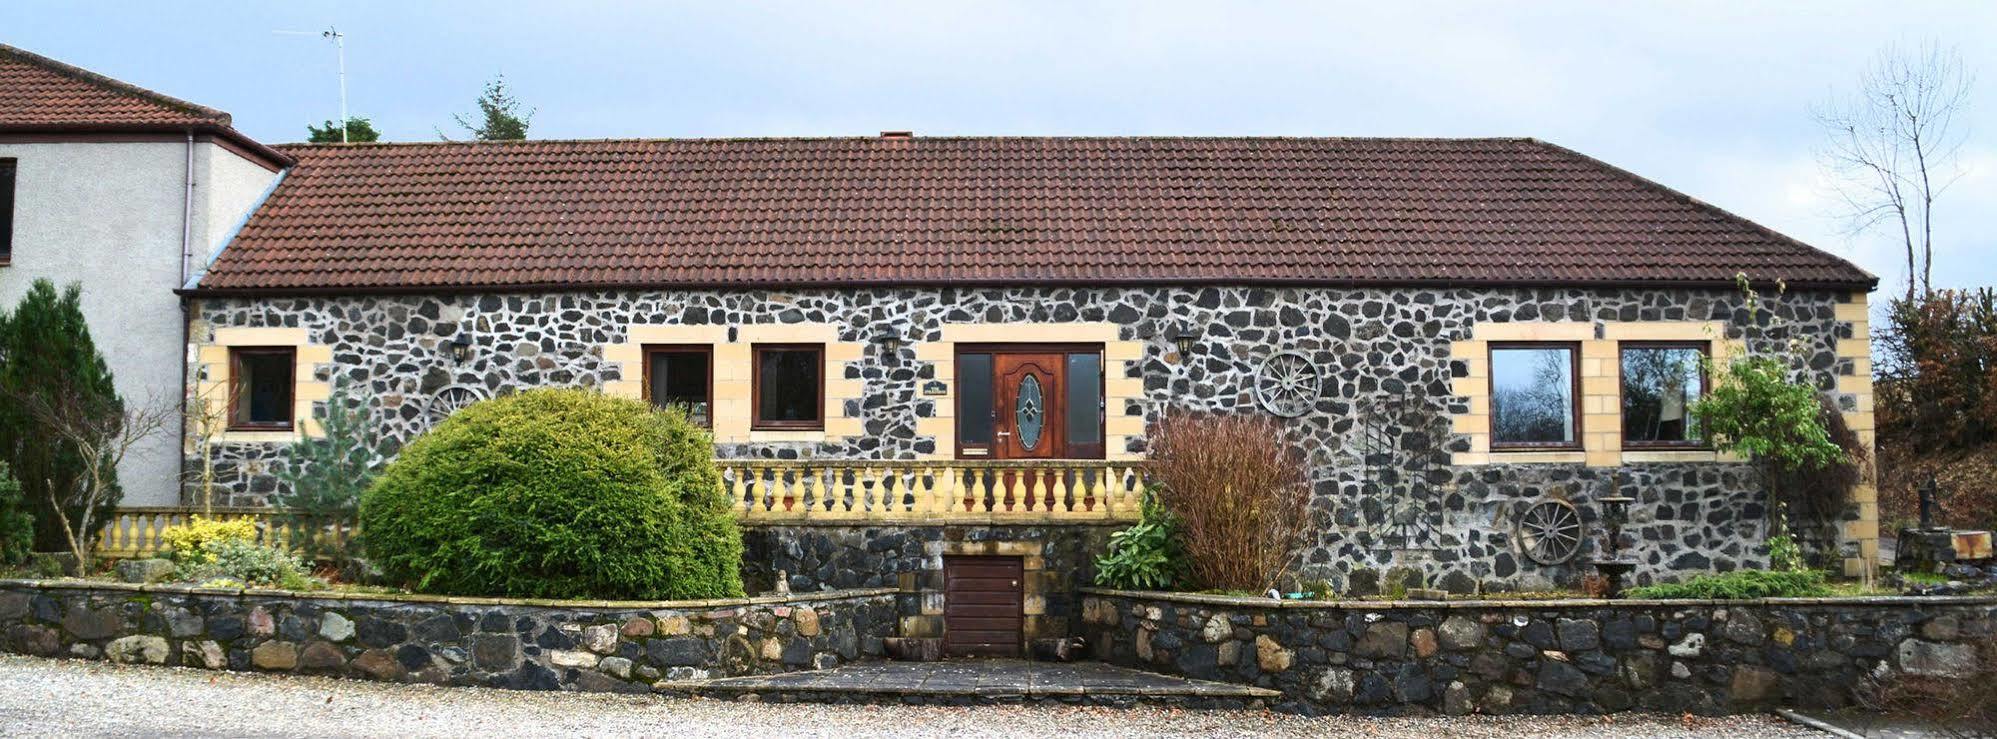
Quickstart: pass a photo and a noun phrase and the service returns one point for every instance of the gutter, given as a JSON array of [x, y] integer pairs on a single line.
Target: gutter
[[193, 289]]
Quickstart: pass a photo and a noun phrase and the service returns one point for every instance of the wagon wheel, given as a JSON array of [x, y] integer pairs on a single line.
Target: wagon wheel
[[1287, 385], [450, 400], [1550, 532]]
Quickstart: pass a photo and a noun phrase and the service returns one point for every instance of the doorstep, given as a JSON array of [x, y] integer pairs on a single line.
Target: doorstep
[[978, 682]]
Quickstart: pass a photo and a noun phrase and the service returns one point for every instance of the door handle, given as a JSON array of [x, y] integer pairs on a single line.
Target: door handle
[[1005, 433]]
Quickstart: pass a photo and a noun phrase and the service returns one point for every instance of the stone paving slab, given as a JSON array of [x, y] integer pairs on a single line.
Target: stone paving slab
[[988, 678]]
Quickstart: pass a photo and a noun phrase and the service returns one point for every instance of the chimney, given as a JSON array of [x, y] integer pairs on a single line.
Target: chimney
[[897, 134]]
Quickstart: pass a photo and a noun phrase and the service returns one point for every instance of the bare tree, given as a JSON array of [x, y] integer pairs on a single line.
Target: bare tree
[[1893, 145], [206, 416], [104, 432]]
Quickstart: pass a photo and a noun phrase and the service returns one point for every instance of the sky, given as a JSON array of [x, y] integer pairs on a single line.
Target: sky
[[1711, 98]]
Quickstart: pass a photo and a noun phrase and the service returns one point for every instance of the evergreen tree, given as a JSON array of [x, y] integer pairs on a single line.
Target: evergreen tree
[[500, 111], [323, 485], [45, 347], [17, 526], [359, 130]]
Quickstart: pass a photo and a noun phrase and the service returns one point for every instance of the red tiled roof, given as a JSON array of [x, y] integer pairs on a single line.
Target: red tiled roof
[[40, 96], [38, 91], [1079, 211]]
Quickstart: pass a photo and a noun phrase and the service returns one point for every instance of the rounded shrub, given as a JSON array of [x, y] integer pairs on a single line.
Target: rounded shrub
[[556, 494]]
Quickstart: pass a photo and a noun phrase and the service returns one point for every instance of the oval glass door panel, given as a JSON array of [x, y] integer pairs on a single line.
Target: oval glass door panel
[[1029, 412]]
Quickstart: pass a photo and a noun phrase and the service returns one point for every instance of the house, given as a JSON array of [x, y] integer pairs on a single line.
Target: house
[[931, 362], [125, 191]]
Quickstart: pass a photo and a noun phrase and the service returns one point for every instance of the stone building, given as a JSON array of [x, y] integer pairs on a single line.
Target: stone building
[[931, 362]]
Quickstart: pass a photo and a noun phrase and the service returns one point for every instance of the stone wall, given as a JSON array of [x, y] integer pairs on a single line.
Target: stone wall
[[1374, 348], [534, 645], [1543, 657], [1056, 561]]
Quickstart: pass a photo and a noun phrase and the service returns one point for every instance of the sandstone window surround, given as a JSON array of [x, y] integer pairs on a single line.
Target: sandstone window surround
[[1599, 441], [215, 384], [733, 372], [1121, 392]]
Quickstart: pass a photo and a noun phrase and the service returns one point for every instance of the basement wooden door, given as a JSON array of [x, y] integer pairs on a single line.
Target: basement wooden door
[[983, 604]]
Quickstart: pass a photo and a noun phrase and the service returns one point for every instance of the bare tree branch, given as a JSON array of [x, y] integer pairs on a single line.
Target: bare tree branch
[[103, 431], [1893, 148]]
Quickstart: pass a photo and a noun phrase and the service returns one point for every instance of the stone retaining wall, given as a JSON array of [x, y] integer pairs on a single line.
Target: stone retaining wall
[[1543, 657], [1054, 558], [534, 645]]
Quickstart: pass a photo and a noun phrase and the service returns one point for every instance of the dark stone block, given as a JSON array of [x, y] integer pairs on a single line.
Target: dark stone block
[[374, 631], [684, 651]]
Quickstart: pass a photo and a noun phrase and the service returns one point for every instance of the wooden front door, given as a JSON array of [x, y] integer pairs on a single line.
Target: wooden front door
[[1029, 409], [983, 605]]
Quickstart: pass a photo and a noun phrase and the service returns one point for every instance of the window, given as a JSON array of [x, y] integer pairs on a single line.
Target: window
[[974, 402], [1660, 383], [1532, 397], [681, 376], [260, 387], [6, 210], [789, 386]]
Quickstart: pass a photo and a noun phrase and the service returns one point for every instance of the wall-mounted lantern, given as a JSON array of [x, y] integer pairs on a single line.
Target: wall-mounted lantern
[[1184, 336], [890, 341], [461, 345]]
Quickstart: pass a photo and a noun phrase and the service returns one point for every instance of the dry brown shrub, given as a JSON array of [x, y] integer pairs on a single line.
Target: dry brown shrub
[[1240, 493]]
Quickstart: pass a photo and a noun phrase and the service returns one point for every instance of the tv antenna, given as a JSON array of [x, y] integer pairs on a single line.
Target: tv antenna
[[340, 49]]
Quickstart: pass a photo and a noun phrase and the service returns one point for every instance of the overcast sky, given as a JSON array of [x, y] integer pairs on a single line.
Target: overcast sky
[[1712, 98]]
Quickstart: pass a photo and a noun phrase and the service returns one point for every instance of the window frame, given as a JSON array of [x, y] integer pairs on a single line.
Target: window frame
[[10, 177], [1573, 349], [756, 421], [236, 388], [1705, 349], [652, 350]]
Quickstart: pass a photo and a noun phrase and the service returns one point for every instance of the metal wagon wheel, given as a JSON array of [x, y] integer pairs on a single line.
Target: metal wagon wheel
[[1287, 384], [1550, 532], [449, 400]]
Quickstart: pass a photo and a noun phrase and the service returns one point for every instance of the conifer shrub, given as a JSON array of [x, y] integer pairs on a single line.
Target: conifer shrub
[[556, 494], [17, 525]]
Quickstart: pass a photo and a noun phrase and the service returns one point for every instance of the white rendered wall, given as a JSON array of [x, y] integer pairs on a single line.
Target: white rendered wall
[[109, 215]]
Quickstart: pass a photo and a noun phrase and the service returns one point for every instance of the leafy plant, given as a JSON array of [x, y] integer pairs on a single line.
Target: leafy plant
[[1144, 556], [556, 494], [1740, 585], [1759, 408], [323, 485], [188, 544], [252, 564], [17, 525]]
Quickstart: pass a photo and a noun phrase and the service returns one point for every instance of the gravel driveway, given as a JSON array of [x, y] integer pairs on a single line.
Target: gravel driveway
[[41, 697]]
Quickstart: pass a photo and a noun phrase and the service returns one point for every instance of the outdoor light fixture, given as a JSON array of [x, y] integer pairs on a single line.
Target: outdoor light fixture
[[1183, 336], [461, 345], [890, 341]]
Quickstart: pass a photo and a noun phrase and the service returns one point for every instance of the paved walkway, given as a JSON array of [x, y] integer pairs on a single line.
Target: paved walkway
[[68, 698], [984, 678]]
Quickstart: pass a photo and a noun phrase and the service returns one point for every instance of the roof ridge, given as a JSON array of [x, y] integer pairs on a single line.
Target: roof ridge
[[726, 139], [1696, 202], [115, 85]]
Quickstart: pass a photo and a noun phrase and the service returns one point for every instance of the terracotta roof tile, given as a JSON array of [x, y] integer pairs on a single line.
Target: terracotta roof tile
[[773, 212], [36, 91]]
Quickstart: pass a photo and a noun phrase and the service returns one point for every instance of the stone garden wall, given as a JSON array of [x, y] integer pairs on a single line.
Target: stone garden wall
[[1383, 357], [533, 645], [1545, 657], [1055, 559]]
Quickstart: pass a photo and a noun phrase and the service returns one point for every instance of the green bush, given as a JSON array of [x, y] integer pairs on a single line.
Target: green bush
[[250, 564], [556, 494], [1144, 556], [17, 525], [1740, 585]]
